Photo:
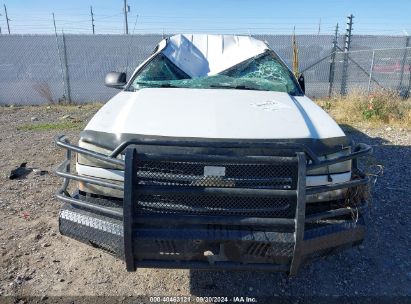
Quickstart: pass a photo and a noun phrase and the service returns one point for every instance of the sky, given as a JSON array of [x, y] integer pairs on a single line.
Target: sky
[[213, 16]]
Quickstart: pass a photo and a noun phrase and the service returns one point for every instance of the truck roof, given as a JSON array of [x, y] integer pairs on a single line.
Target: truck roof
[[201, 55]]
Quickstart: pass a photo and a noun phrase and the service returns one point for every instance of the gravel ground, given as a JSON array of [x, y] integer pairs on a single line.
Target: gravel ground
[[37, 260]]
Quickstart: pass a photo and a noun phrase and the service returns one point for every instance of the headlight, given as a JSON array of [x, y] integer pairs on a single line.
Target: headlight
[[91, 161], [340, 167]]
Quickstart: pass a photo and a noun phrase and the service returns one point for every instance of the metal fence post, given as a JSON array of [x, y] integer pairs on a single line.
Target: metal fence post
[[347, 46], [66, 71], [404, 61], [371, 70], [60, 60], [332, 63], [409, 80]]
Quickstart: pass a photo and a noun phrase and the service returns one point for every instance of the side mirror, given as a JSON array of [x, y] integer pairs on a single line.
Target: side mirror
[[301, 82], [116, 80]]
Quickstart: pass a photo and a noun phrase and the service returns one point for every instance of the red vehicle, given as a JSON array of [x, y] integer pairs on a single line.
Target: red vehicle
[[391, 66]]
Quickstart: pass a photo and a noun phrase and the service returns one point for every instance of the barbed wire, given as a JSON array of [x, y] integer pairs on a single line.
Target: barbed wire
[[113, 23]]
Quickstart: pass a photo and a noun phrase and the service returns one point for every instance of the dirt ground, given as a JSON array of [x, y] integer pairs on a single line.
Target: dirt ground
[[37, 260]]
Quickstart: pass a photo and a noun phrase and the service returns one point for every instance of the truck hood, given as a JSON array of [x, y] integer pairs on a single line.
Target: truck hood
[[214, 114]]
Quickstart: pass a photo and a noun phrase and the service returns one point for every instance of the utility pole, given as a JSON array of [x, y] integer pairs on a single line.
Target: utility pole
[[319, 27], [7, 18], [126, 10], [92, 18], [54, 23], [332, 62], [348, 35], [347, 45]]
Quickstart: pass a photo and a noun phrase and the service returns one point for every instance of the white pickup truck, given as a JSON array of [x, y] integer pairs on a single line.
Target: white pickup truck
[[211, 156]]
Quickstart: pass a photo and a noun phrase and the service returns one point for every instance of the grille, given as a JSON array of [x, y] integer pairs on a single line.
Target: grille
[[216, 205], [175, 174], [268, 176]]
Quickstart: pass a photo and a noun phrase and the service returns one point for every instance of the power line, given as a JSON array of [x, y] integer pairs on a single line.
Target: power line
[[110, 16], [148, 24]]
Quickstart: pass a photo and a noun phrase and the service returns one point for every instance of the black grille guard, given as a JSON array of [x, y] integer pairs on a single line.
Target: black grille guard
[[130, 187], [63, 169]]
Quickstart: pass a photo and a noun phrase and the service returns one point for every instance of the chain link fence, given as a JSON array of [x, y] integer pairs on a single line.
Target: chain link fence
[[38, 69], [370, 70]]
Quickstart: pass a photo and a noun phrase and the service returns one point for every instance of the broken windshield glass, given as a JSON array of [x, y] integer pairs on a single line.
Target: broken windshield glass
[[265, 73], [160, 68]]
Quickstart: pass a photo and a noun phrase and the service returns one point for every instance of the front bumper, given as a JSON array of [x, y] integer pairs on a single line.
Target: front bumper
[[207, 225]]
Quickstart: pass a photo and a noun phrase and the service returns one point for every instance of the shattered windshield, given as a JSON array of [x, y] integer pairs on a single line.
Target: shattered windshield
[[263, 73]]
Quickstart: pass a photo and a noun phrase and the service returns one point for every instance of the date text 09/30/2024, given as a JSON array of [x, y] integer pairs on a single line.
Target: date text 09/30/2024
[[188, 299]]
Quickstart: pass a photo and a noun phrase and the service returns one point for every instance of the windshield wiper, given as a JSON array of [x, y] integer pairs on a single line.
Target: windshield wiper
[[167, 85], [238, 87], [156, 85]]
